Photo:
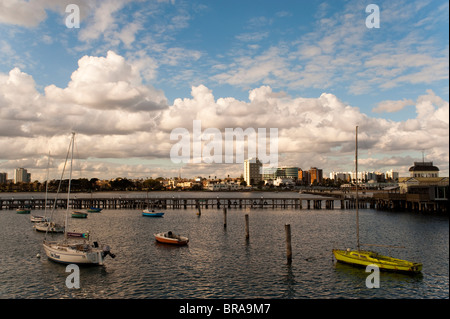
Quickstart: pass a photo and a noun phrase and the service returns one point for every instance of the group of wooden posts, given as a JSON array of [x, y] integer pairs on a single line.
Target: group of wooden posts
[[287, 229]]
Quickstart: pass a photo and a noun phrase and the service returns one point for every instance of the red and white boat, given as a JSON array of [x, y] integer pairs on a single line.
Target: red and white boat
[[171, 238]]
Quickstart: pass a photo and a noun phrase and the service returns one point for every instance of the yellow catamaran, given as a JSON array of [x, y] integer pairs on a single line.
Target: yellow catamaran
[[364, 258]]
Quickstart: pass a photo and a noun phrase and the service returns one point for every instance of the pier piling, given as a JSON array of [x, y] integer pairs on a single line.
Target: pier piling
[[247, 233], [287, 229], [224, 217]]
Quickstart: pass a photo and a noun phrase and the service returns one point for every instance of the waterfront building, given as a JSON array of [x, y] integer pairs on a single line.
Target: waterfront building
[[283, 181], [252, 171], [21, 176], [423, 169], [272, 173], [289, 172]]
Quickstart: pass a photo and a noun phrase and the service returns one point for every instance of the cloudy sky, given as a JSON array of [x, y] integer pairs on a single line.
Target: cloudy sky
[[136, 70]]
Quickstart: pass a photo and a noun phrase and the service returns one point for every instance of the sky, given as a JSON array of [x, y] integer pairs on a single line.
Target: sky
[[135, 72]]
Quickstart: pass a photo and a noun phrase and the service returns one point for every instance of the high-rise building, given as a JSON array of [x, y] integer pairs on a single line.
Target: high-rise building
[[3, 178], [252, 171], [316, 175], [21, 176], [303, 176], [392, 175]]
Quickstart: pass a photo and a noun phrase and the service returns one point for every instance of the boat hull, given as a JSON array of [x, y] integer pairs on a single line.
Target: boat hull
[[23, 211], [39, 219], [79, 215], [73, 254], [45, 227], [176, 240], [152, 214], [365, 258], [94, 210]]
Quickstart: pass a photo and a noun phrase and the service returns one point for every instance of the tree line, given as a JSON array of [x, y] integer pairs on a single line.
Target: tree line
[[86, 185]]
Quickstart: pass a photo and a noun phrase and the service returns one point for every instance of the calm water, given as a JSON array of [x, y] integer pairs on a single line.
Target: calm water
[[221, 263]]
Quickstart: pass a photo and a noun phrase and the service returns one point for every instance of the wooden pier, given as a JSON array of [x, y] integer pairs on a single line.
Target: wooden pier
[[177, 203], [385, 202]]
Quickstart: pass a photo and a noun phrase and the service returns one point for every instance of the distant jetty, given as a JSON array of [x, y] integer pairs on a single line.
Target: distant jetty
[[383, 201]]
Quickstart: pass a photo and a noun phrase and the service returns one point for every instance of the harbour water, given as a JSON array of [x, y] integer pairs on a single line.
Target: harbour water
[[220, 263]]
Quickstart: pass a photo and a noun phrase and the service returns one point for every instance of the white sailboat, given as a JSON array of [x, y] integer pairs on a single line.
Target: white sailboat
[[43, 223], [76, 248]]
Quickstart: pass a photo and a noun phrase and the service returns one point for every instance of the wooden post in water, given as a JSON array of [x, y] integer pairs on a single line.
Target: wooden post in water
[[247, 234], [287, 229], [224, 217], [199, 209]]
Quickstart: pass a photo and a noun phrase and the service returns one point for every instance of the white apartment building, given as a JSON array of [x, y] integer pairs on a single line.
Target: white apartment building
[[252, 171], [21, 175]]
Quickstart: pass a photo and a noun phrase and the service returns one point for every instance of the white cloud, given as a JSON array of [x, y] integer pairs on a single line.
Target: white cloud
[[23, 13], [392, 106], [107, 83], [311, 131]]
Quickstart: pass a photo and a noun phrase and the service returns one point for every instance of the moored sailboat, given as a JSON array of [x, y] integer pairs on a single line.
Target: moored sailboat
[[364, 258], [75, 249], [49, 227]]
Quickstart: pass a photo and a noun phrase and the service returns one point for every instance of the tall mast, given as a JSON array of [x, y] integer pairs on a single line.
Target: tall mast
[[70, 180], [357, 201], [46, 186]]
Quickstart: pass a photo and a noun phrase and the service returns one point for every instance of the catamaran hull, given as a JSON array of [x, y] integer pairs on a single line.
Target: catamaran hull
[[62, 254], [364, 259]]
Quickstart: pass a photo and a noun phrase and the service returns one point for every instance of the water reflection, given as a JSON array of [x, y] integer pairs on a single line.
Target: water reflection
[[289, 281]]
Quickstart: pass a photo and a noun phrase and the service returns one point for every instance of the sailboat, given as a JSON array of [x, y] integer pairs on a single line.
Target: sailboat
[[43, 223], [365, 258], [76, 248]]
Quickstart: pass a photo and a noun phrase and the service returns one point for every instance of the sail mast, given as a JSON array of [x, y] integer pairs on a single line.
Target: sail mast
[[357, 201], [46, 186], [68, 190]]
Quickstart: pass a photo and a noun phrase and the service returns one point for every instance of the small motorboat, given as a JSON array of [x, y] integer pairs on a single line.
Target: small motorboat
[[78, 214], [171, 238], [94, 210], [148, 213], [23, 211]]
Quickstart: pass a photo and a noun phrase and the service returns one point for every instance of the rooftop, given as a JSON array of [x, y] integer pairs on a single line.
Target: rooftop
[[423, 166]]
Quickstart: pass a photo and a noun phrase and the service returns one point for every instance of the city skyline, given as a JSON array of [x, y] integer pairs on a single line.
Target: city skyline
[[135, 71], [266, 173]]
